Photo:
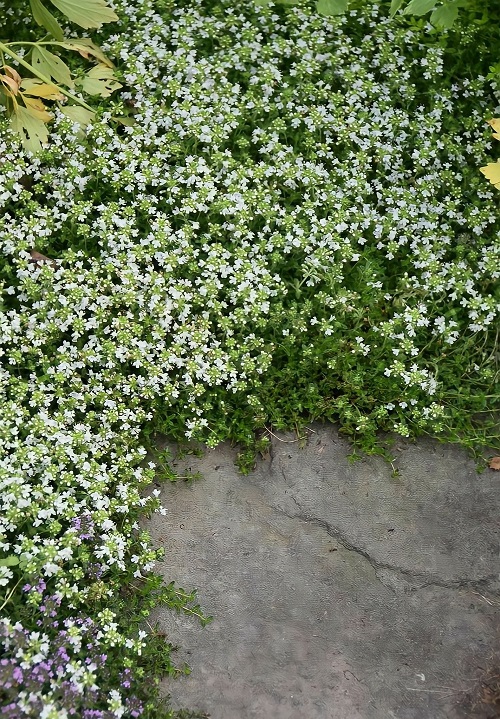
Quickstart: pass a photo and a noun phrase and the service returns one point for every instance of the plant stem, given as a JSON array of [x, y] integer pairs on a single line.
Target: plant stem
[[4, 48], [38, 42], [9, 596]]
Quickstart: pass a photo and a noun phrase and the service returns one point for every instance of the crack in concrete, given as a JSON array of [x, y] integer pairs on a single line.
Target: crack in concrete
[[429, 580]]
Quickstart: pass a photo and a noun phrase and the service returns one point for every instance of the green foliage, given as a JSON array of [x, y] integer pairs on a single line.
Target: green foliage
[[295, 230], [332, 7], [45, 19], [420, 7], [324, 7], [30, 103], [442, 13], [86, 13]]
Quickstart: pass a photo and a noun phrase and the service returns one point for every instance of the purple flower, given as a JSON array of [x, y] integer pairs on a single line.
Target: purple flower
[[84, 526]]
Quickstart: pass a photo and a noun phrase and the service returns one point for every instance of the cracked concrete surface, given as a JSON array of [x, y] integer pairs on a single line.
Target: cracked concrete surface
[[338, 591]]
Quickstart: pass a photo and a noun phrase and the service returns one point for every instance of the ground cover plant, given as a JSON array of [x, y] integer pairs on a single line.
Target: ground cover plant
[[294, 227]]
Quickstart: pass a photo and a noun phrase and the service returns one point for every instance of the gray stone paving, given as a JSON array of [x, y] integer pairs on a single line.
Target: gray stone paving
[[337, 590]]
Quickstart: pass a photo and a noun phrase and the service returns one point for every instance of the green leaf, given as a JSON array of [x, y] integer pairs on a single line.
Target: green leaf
[[9, 561], [332, 7], [443, 17], [263, 3], [51, 66], [78, 114], [100, 81], [87, 49], [86, 13], [395, 5], [124, 120], [419, 7], [32, 131], [45, 18]]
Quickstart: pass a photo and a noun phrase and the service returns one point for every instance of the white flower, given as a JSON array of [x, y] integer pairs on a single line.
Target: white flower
[[6, 574]]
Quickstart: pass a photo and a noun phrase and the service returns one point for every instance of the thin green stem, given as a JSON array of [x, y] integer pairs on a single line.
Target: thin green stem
[[39, 42], [4, 48], [26, 42], [9, 596]]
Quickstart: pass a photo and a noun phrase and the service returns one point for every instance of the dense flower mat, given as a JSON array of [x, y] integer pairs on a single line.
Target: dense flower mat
[[294, 227]]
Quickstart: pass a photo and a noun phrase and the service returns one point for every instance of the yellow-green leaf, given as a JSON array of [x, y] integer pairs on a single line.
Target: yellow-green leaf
[[124, 120], [45, 18], [86, 13], [492, 173], [37, 109], [51, 66], [395, 5], [100, 80], [32, 131], [78, 114], [37, 88], [495, 124], [87, 49]]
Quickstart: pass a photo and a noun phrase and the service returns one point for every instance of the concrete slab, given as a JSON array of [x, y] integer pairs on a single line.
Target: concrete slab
[[338, 591]]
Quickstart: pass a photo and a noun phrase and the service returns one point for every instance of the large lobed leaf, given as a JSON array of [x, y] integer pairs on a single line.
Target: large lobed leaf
[[43, 17], [78, 114], [445, 15], [86, 13], [492, 173], [36, 88], [100, 80], [32, 130], [51, 66], [492, 170], [87, 49], [495, 124], [419, 7]]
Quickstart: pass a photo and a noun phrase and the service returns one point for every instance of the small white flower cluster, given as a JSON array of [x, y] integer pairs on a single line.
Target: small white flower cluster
[[284, 185]]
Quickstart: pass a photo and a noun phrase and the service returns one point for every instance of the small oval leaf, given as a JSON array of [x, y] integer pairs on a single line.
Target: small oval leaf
[[9, 561]]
